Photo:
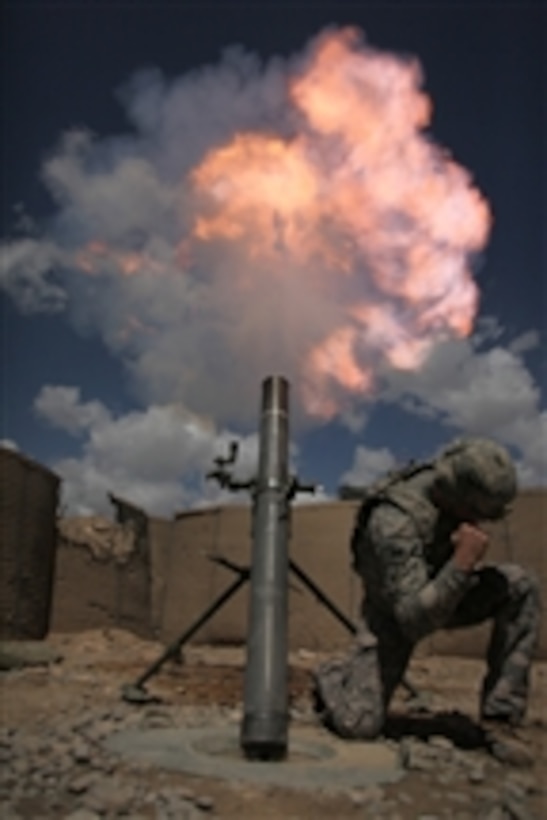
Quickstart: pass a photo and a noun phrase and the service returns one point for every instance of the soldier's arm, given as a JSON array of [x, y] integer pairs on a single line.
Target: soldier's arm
[[420, 604]]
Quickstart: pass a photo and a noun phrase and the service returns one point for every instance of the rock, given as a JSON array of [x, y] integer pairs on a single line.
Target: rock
[[459, 797], [464, 760], [419, 703], [108, 766], [51, 784], [80, 784], [234, 715], [118, 715], [175, 802], [357, 798], [447, 776], [103, 728], [157, 719], [204, 802], [373, 794], [37, 779], [527, 782], [441, 742], [476, 773], [82, 814], [513, 790], [20, 766], [65, 762], [370, 796], [417, 756], [81, 753], [110, 796]]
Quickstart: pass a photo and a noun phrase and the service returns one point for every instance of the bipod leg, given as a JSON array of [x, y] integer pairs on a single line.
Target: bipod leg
[[136, 692], [322, 598], [342, 618]]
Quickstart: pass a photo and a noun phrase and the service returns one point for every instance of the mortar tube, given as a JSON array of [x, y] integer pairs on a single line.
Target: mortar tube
[[264, 728]]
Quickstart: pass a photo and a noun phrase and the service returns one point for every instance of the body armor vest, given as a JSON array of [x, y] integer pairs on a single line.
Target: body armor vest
[[394, 489]]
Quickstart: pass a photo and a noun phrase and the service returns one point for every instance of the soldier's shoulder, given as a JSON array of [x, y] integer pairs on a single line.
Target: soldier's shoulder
[[388, 521]]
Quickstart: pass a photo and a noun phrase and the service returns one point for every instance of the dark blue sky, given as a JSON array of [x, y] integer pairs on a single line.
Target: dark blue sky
[[62, 64]]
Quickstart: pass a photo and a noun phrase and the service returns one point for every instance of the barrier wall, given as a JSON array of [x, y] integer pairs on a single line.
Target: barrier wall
[[98, 592], [169, 581], [28, 509]]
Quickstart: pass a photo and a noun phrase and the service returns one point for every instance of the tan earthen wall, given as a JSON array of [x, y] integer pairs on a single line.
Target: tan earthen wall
[[162, 592], [160, 536], [91, 594], [195, 581], [28, 509]]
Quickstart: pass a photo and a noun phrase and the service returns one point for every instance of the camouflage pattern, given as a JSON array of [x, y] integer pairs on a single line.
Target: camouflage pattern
[[353, 692], [403, 553], [510, 595], [480, 472]]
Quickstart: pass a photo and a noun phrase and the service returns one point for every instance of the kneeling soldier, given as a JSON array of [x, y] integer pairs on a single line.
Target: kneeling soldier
[[419, 549]]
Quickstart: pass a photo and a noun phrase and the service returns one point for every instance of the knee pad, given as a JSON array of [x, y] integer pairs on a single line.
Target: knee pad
[[363, 727]]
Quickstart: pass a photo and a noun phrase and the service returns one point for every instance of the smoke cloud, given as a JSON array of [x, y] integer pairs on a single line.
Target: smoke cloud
[[291, 217]]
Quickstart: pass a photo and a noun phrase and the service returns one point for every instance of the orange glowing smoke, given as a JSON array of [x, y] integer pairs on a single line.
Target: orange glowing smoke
[[334, 355], [360, 190], [257, 169], [355, 222], [96, 256]]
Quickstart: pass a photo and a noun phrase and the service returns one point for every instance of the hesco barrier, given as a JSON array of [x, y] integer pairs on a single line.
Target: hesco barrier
[[28, 507]]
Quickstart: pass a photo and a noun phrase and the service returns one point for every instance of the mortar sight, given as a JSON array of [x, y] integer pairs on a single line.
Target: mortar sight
[[224, 476], [224, 461]]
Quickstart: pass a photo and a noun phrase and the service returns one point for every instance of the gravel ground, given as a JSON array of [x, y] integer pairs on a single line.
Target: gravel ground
[[56, 716]]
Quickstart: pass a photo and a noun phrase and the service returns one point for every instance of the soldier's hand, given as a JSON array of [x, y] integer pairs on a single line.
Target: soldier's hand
[[470, 545]]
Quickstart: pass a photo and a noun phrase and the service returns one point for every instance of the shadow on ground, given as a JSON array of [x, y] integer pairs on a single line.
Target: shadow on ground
[[455, 726]]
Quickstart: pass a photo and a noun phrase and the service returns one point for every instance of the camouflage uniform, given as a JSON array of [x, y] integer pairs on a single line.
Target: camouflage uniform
[[403, 552]]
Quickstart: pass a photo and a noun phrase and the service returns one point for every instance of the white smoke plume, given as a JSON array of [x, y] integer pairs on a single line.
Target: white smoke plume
[[292, 217]]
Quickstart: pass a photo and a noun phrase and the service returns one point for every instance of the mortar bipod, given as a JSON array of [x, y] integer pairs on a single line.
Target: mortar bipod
[[136, 692]]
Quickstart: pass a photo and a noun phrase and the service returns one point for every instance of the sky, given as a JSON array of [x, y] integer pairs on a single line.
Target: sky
[[196, 196]]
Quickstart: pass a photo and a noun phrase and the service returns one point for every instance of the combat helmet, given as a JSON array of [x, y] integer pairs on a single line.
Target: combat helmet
[[479, 474]]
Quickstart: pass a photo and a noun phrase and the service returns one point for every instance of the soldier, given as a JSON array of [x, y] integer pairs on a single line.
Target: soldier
[[419, 549]]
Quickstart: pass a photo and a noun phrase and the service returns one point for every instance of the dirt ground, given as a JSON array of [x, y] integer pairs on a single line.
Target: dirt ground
[[37, 701]]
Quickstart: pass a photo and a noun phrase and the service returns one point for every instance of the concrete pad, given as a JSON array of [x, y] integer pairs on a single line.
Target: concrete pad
[[316, 759]]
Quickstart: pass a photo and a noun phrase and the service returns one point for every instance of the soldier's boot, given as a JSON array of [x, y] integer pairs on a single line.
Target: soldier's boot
[[504, 743]]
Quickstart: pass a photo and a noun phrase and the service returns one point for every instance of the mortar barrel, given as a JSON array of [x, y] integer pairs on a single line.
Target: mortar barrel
[[265, 718]]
